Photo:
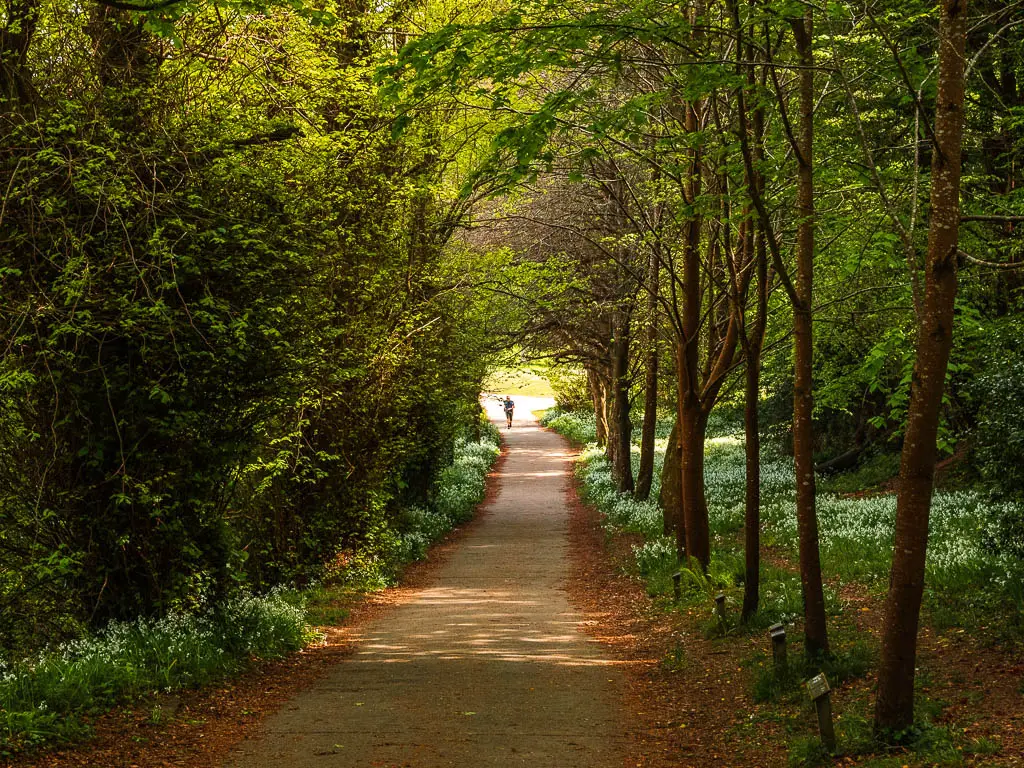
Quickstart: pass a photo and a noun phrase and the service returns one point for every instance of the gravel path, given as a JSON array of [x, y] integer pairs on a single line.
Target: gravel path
[[485, 666]]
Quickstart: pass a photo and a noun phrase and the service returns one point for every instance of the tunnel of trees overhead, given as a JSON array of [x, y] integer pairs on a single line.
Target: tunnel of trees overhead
[[255, 261]]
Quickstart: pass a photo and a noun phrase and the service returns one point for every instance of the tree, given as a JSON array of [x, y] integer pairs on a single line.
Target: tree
[[894, 707]]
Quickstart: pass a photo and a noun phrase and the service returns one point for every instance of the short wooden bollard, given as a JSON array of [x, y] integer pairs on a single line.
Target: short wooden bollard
[[820, 693], [677, 586], [720, 606], [777, 632]]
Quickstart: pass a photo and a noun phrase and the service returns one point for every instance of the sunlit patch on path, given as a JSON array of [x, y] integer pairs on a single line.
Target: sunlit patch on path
[[486, 666]]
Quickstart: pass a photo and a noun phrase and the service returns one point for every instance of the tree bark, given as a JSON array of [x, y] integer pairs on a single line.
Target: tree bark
[[670, 496], [600, 412], [645, 472], [894, 706], [693, 538], [815, 627], [623, 458], [754, 249], [752, 434]]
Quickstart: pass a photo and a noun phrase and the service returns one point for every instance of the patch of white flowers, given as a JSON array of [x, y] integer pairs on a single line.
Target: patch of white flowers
[[621, 509], [460, 487], [856, 534], [578, 426], [127, 659]]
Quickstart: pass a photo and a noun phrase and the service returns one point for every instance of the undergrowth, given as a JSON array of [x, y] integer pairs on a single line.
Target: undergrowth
[[42, 699], [970, 583]]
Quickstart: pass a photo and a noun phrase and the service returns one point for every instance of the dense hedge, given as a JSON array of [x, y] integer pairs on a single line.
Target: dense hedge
[[236, 345]]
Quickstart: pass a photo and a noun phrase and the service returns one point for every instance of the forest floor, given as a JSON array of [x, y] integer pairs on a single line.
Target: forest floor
[[506, 675], [691, 695]]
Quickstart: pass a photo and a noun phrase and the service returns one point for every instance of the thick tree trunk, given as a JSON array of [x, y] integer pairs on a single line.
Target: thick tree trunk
[[645, 472], [894, 707], [623, 458], [815, 627], [16, 89]]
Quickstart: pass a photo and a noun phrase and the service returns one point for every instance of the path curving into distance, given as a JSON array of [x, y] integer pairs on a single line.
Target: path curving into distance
[[486, 666]]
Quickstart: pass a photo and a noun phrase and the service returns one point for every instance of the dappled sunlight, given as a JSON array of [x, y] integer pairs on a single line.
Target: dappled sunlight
[[486, 625]]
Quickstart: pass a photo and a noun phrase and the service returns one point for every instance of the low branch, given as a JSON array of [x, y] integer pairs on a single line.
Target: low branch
[[989, 264], [121, 6], [992, 217]]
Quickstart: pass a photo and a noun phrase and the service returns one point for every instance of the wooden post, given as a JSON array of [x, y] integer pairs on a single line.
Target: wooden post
[[677, 587], [777, 632], [819, 691], [720, 606]]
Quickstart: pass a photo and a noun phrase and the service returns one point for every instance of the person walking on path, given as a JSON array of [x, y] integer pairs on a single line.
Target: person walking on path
[[509, 407]]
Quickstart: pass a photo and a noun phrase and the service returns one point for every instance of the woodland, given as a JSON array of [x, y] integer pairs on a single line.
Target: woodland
[[257, 259]]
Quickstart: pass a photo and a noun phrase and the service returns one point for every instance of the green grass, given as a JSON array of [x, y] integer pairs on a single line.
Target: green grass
[[529, 381], [846, 663]]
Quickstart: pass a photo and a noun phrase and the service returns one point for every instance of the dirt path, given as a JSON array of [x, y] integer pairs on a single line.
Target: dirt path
[[485, 666]]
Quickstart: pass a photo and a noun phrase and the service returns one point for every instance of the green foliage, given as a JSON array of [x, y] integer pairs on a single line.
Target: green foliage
[[869, 476], [238, 347]]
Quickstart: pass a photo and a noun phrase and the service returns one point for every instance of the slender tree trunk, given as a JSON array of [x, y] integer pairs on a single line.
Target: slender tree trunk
[[670, 496], [894, 707], [755, 247], [815, 627], [693, 537], [611, 447], [623, 459], [645, 472], [679, 512], [752, 432], [597, 396]]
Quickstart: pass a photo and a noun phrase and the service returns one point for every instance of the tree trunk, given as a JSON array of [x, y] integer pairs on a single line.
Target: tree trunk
[[752, 432], [692, 537], [815, 628], [597, 396], [670, 497], [623, 458], [894, 707], [696, 535], [645, 473], [16, 89]]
